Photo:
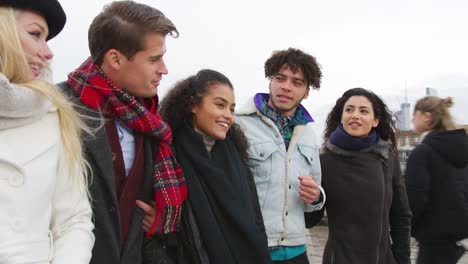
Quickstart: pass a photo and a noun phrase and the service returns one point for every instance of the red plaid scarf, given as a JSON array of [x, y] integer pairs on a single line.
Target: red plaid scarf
[[97, 91]]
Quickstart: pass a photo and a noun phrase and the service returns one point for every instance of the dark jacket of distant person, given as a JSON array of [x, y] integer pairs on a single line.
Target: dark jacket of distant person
[[437, 186]]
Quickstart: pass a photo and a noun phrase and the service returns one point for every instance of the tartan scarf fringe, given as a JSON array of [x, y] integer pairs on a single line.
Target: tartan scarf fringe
[[164, 227], [97, 91]]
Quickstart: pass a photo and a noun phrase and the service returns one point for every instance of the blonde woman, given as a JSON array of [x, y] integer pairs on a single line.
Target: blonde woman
[[437, 183], [45, 212]]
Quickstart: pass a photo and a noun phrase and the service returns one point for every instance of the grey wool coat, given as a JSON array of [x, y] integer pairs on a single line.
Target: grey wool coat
[[107, 248]]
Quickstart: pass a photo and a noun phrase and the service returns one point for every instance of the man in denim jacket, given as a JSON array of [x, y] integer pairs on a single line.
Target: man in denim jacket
[[284, 152]]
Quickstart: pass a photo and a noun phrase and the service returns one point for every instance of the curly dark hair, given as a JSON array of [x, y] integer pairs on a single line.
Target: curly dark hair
[[295, 59], [386, 126], [176, 106]]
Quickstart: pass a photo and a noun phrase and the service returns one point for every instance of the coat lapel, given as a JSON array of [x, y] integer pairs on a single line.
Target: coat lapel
[[96, 146], [98, 150]]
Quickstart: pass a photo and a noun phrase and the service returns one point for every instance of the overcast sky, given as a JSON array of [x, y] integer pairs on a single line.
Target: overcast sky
[[393, 47]]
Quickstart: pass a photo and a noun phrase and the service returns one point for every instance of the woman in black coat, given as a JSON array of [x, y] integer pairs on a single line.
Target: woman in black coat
[[437, 183], [221, 221], [367, 207]]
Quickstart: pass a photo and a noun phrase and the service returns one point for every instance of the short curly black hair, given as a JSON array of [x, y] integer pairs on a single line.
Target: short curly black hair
[[295, 59]]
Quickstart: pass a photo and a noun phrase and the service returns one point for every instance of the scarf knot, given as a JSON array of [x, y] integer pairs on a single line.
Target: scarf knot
[[96, 90]]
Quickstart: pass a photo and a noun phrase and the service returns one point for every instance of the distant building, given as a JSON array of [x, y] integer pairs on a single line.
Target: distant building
[[407, 140], [431, 91], [403, 120]]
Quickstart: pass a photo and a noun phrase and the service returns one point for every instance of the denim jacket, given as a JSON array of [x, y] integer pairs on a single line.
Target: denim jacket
[[276, 174]]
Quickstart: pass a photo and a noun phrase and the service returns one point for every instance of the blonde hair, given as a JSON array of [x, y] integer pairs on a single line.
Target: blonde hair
[[14, 65], [439, 109]]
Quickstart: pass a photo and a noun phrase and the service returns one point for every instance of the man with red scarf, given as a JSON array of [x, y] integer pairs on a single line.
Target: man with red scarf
[[137, 186]]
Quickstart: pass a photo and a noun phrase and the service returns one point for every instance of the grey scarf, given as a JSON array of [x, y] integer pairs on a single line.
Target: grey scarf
[[20, 105]]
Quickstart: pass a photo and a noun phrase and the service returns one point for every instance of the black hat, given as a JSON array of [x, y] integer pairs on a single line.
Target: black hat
[[50, 9]]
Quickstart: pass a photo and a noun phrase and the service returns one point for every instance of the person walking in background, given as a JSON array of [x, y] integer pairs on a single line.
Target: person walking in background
[[283, 152], [437, 183], [46, 215], [222, 219], [130, 155], [367, 207]]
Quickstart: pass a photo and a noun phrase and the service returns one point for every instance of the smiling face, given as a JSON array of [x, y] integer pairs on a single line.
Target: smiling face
[[214, 115], [287, 90], [33, 32], [140, 76], [358, 116]]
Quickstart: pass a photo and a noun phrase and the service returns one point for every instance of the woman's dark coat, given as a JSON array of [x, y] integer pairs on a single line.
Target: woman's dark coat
[[437, 185], [367, 207], [221, 220]]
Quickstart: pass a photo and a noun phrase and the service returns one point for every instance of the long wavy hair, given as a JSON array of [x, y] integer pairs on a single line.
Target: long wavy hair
[[442, 120], [14, 65], [176, 106], [386, 126]]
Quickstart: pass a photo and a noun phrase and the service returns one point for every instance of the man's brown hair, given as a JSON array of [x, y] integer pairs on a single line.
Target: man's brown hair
[[123, 25]]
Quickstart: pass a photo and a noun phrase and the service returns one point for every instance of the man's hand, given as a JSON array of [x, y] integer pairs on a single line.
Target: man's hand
[[309, 190], [150, 213]]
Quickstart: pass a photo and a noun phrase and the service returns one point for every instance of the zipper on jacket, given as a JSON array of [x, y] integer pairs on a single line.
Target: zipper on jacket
[[332, 257], [383, 208]]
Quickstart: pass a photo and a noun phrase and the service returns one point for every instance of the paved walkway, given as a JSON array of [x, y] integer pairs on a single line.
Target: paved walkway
[[320, 233]]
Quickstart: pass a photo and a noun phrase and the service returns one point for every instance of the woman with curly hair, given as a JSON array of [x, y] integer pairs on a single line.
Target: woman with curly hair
[[367, 207], [437, 183], [46, 214], [222, 222]]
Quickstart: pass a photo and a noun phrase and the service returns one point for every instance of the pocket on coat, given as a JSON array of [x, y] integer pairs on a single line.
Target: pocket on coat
[[261, 160], [308, 153]]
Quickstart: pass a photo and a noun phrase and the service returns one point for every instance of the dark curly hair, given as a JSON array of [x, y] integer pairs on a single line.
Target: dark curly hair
[[176, 106], [295, 59], [386, 126]]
